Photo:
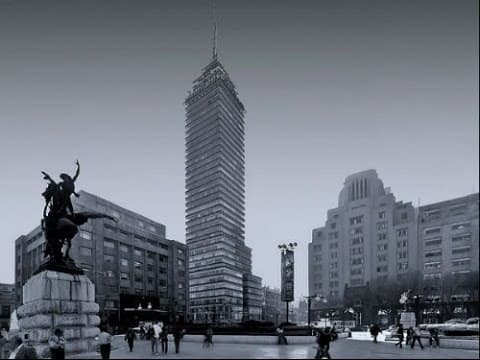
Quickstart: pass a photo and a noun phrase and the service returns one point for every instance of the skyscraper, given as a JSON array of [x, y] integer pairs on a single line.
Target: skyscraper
[[215, 196]]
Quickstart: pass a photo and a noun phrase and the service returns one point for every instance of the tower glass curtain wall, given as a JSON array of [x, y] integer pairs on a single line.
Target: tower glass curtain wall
[[215, 197]]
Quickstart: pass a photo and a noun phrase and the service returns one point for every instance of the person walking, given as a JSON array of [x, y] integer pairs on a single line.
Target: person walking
[[400, 335], [374, 330], [157, 330], [24, 350], [208, 337], [130, 337], [416, 337], [434, 338], [177, 336], [3, 344], [164, 339], [56, 342], [323, 341], [105, 341], [409, 335]]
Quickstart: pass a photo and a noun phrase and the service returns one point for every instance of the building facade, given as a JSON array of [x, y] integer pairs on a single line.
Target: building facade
[[130, 261], [273, 308], [372, 248], [215, 198], [369, 238], [448, 247], [7, 304]]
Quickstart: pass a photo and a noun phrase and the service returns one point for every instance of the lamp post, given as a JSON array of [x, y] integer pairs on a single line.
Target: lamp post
[[309, 305], [284, 248]]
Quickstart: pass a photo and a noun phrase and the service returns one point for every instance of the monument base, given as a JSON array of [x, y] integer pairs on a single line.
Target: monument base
[[59, 300], [407, 319]]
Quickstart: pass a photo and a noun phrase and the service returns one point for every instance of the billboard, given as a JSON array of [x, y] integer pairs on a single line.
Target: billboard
[[287, 275]]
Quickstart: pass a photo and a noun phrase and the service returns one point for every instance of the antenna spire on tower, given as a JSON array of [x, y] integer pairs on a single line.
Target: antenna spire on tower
[[214, 50]]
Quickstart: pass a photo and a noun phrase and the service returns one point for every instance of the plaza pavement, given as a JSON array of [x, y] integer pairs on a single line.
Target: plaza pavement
[[342, 348]]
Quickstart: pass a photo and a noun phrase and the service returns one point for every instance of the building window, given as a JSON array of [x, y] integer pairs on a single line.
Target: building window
[[356, 261], [109, 274], [461, 249], [433, 253], [108, 259], [402, 255], [138, 278], [432, 231], [461, 226], [152, 228], [382, 257], [382, 236], [333, 225], [150, 280], [141, 224], [382, 247], [109, 244], [357, 271], [383, 268], [180, 262], [382, 215], [383, 225], [333, 255], [357, 240], [433, 213], [334, 265], [124, 276], [123, 262], [462, 237], [180, 251], [402, 266], [333, 235], [137, 264], [85, 251], [459, 262], [432, 265], [356, 220], [181, 285], [402, 232], [124, 248], [356, 251], [433, 242], [85, 235], [137, 252], [404, 216], [458, 209], [333, 246]]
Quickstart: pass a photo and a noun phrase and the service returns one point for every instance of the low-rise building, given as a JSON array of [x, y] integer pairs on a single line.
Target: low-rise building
[[136, 270], [7, 304]]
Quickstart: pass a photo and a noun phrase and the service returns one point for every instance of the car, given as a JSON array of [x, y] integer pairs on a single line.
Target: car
[[473, 321]]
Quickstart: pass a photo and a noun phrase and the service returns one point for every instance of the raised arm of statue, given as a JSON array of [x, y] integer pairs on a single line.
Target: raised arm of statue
[[77, 172], [48, 177]]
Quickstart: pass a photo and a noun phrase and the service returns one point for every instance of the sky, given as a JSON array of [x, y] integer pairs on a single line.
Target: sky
[[330, 88]]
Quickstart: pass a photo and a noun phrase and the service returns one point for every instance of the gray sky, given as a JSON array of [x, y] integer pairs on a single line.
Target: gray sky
[[330, 88]]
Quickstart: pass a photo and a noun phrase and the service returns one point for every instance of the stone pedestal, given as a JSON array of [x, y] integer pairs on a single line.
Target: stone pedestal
[[59, 300]]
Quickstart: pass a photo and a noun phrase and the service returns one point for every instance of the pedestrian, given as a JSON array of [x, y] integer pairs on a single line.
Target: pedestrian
[[409, 335], [130, 337], [56, 342], [3, 344], [282, 340], [374, 330], [323, 341], [105, 341], [24, 349], [164, 339], [157, 330], [416, 337], [208, 340], [142, 332], [400, 335], [434, 337], [177, 336]]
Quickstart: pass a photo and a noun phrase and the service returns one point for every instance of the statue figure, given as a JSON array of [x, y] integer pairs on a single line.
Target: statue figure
[[60, 221]]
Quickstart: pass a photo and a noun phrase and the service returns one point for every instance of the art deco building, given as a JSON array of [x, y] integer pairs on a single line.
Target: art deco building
[[215, 199], [369, 238], [132, 264], [7, 304]]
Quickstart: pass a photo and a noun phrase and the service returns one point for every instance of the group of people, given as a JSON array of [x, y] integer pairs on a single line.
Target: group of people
[[157, 332], [414, 335]]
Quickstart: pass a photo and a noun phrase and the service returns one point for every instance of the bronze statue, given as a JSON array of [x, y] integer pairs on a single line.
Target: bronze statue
[[60, 222]]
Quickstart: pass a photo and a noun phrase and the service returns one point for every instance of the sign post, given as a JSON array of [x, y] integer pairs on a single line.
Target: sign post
[[287, 273]]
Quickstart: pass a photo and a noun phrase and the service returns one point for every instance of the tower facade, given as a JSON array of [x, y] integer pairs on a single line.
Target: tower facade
[[215, 197]]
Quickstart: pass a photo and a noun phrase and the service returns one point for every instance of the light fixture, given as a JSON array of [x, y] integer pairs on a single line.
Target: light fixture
[[149, 306], [139, 306]]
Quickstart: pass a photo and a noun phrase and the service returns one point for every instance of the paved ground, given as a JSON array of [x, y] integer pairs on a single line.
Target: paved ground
[[343, 348]]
